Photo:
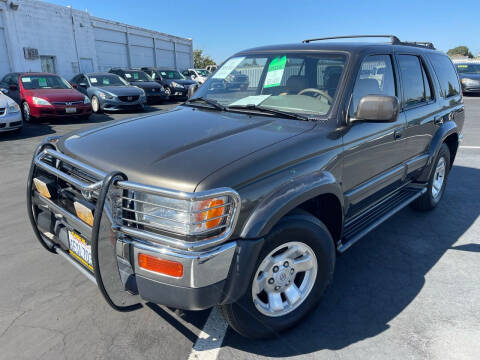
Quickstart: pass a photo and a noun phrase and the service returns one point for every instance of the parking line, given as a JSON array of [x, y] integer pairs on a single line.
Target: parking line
[[210, 339], [469, 147]]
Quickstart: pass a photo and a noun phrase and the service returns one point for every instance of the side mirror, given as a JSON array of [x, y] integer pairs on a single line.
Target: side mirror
[[13, 87], [380, 108], [3, 90]]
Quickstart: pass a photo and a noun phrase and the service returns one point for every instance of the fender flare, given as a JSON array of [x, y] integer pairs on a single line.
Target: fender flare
[[286, 198], [447, 129]]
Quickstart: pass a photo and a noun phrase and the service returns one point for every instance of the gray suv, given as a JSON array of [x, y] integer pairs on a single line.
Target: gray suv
[[243, 198], [109, 92]]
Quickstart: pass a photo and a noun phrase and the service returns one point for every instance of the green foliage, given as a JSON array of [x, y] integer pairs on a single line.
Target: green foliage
[[460, 50], [201, 61]]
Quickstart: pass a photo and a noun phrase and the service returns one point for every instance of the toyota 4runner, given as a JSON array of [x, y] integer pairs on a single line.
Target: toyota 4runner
[[243, 197]]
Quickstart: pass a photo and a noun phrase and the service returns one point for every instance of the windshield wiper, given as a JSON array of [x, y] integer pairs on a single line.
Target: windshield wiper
[[211, 102], [271, 111]]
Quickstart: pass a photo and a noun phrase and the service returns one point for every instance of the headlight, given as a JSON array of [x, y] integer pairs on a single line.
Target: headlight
[[86, 100], [143, 94], [177, 85], [105, 95], [13, 108], [184, 217], [40, 101], [466, 81]]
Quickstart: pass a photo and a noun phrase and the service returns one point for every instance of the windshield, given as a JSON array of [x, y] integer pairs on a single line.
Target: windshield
[[202, 72], [468, 68], [171, 74], [301, 83], [33, 82], [137, 76], [107, 80]]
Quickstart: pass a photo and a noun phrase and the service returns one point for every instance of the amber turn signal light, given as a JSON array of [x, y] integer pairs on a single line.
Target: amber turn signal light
[[162, 266], [84, 213], [42, 188], [215, 212]]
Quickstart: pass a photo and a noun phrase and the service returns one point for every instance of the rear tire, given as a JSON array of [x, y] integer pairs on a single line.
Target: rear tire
[[437, 182], [309, 256]]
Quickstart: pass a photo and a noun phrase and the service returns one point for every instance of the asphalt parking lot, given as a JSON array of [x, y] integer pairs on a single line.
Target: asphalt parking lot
[[408, 290]]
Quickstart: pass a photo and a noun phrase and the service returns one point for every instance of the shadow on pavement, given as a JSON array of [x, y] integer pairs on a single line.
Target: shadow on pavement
[[381, 275]]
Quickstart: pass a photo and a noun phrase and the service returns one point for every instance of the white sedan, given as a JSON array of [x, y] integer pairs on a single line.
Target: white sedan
[[10, 114]]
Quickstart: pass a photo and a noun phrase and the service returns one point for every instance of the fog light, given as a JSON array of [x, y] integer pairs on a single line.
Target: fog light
[[84, 212], [162, 266]]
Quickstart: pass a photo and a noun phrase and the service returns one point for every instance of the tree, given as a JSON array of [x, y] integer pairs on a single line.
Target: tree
[[460, 50], [201, 61]]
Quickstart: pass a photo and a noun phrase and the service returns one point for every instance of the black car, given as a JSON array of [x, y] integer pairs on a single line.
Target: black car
[[469, 74], [244, 198], [175, 84], [153, 90]]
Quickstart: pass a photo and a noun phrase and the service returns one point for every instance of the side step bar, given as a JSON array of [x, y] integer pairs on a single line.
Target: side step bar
[[361, 225]]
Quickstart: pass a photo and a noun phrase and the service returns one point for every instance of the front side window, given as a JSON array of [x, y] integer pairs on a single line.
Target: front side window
[[375, 77], [446, 74], [416, 87], [32, 82], [300, 83]]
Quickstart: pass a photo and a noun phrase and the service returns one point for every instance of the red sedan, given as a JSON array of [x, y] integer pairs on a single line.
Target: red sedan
[[43, 95]]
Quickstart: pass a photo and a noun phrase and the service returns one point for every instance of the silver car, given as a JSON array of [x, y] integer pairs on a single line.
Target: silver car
[[109, 92], [10, 114]]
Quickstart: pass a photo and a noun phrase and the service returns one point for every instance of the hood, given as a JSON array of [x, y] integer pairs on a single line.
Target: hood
[[146, 84], [177, 149], [469, 76], [56, 94], [121, 90], [5, 100]]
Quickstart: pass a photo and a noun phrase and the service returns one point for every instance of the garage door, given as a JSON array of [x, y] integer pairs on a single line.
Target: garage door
[[4, 62], [111, 48], [184, 57]]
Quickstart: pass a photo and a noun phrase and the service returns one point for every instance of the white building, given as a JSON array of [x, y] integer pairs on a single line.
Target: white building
[[38, 36]]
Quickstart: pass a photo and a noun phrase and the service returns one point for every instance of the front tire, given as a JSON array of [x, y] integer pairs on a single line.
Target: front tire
[[96, 108], [437, 182], [291, 275], [27, 117]]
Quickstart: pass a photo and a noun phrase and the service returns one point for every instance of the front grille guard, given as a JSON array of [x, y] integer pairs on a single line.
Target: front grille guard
[[91, 190]]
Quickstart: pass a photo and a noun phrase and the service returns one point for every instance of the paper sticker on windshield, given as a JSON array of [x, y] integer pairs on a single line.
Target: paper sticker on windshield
[[462, 66], [42, 82], [26, 80], [135, 76], [251, 100], [163, 73], [106, 81], [275, 72], [128, 76], [93, 80], [228, 67]]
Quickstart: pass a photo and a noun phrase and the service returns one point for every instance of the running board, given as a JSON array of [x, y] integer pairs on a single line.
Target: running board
[[362, 224]]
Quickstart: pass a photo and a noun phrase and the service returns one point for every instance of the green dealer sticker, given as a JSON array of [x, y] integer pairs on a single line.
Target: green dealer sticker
[[275, 72]]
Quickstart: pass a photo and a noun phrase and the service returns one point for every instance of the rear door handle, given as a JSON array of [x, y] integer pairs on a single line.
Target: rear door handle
[[397, 134]]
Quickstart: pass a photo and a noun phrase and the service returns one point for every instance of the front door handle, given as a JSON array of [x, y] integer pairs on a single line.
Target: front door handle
[[397, 134]]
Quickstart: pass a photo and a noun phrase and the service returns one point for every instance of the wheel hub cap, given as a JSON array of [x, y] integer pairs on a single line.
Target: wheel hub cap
[[438, 178]]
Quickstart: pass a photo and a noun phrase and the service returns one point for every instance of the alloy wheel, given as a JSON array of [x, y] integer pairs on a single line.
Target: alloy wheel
[[438, 178], [26, 112]]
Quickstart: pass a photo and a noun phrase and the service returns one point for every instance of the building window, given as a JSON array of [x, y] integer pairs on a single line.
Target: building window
[[48, 64]]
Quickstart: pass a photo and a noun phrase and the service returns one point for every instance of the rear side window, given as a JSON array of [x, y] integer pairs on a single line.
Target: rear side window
[[375, 78], [446, 74], [416, 87]]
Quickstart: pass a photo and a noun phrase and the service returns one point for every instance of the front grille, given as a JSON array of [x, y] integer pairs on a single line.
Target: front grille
[[64, 112], [15, 123], [2, 111], [128, 98], [2, 125], [154, 91], [67, 103]]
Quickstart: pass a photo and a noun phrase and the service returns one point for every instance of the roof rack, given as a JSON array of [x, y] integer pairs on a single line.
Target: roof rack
[[394, 40]]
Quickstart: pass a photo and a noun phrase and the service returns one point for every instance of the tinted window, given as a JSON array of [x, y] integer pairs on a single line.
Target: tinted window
[[416, 88], [446, 74], [375, 78]]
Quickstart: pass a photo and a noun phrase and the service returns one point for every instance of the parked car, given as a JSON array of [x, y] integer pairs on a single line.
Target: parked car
[[211, 68], [153, 90], [175, 84], [109, 92], [469, 74], [199, 75], [233, 81], [44, 95], [243, 199], [10, 114]]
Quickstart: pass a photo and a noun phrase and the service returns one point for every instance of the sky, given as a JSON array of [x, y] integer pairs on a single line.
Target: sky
[[222, 27]]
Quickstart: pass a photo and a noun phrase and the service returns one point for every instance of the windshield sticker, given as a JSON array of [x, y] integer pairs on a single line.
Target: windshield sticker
[[42, 82], [228, 67], [135, 76], [462, 66], [26, 80], [106, 81], [93, 80], [275, 72], [163, 73], [128, 76], [250, 100]]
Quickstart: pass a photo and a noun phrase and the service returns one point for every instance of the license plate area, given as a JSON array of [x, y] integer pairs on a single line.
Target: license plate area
[[70, 110], [80, 250]]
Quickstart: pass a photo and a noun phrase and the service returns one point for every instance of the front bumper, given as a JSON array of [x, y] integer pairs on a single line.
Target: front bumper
[[207, 267], [59, 111], [11, 121], [116, 104]]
